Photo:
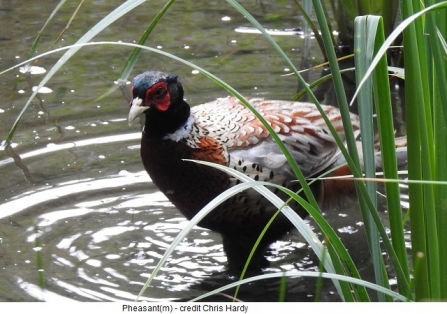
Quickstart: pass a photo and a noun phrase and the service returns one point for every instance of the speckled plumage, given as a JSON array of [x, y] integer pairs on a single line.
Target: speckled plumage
[[298, 124], [225, 132]]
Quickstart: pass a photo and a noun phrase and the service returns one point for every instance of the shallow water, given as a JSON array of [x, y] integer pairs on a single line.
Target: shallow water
[[73, 192]]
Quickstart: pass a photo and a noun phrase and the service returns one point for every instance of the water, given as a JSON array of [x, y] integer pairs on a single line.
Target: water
[[73, 191]]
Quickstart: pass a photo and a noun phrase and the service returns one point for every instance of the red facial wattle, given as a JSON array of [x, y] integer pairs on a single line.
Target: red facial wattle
[[158, 95]]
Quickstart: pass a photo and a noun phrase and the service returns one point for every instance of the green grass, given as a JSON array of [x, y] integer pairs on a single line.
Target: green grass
[[425, 74], [423, 25]]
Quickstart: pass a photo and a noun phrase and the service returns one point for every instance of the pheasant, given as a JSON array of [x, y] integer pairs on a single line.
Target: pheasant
[[225, 132]]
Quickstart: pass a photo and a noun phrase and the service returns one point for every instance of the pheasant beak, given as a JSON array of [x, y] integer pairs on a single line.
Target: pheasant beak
[[136, 108]]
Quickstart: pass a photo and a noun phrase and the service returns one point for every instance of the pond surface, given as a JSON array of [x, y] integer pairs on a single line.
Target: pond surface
[[76, 207]]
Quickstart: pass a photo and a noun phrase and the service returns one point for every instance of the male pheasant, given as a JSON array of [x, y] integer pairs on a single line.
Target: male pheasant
[[226, 132]]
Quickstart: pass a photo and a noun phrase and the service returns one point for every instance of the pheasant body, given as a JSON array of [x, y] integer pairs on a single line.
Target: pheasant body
[[226, 132]]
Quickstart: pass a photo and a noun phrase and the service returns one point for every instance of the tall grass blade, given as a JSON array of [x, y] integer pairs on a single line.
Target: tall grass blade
[[382, 100], [437, 24], [294, 274], [33, 48], [426, 149], [388, 151], [365, 28]]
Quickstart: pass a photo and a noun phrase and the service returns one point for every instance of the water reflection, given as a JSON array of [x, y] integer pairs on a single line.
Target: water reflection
[[113, 240], [52, 147]]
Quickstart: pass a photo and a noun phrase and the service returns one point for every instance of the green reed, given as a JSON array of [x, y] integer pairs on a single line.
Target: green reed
[[426, 96]]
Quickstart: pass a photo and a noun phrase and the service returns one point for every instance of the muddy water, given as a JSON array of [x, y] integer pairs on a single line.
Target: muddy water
[[76, 208]]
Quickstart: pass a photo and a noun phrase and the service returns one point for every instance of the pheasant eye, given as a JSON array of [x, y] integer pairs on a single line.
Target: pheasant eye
[[158, 96], [159, 92]]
